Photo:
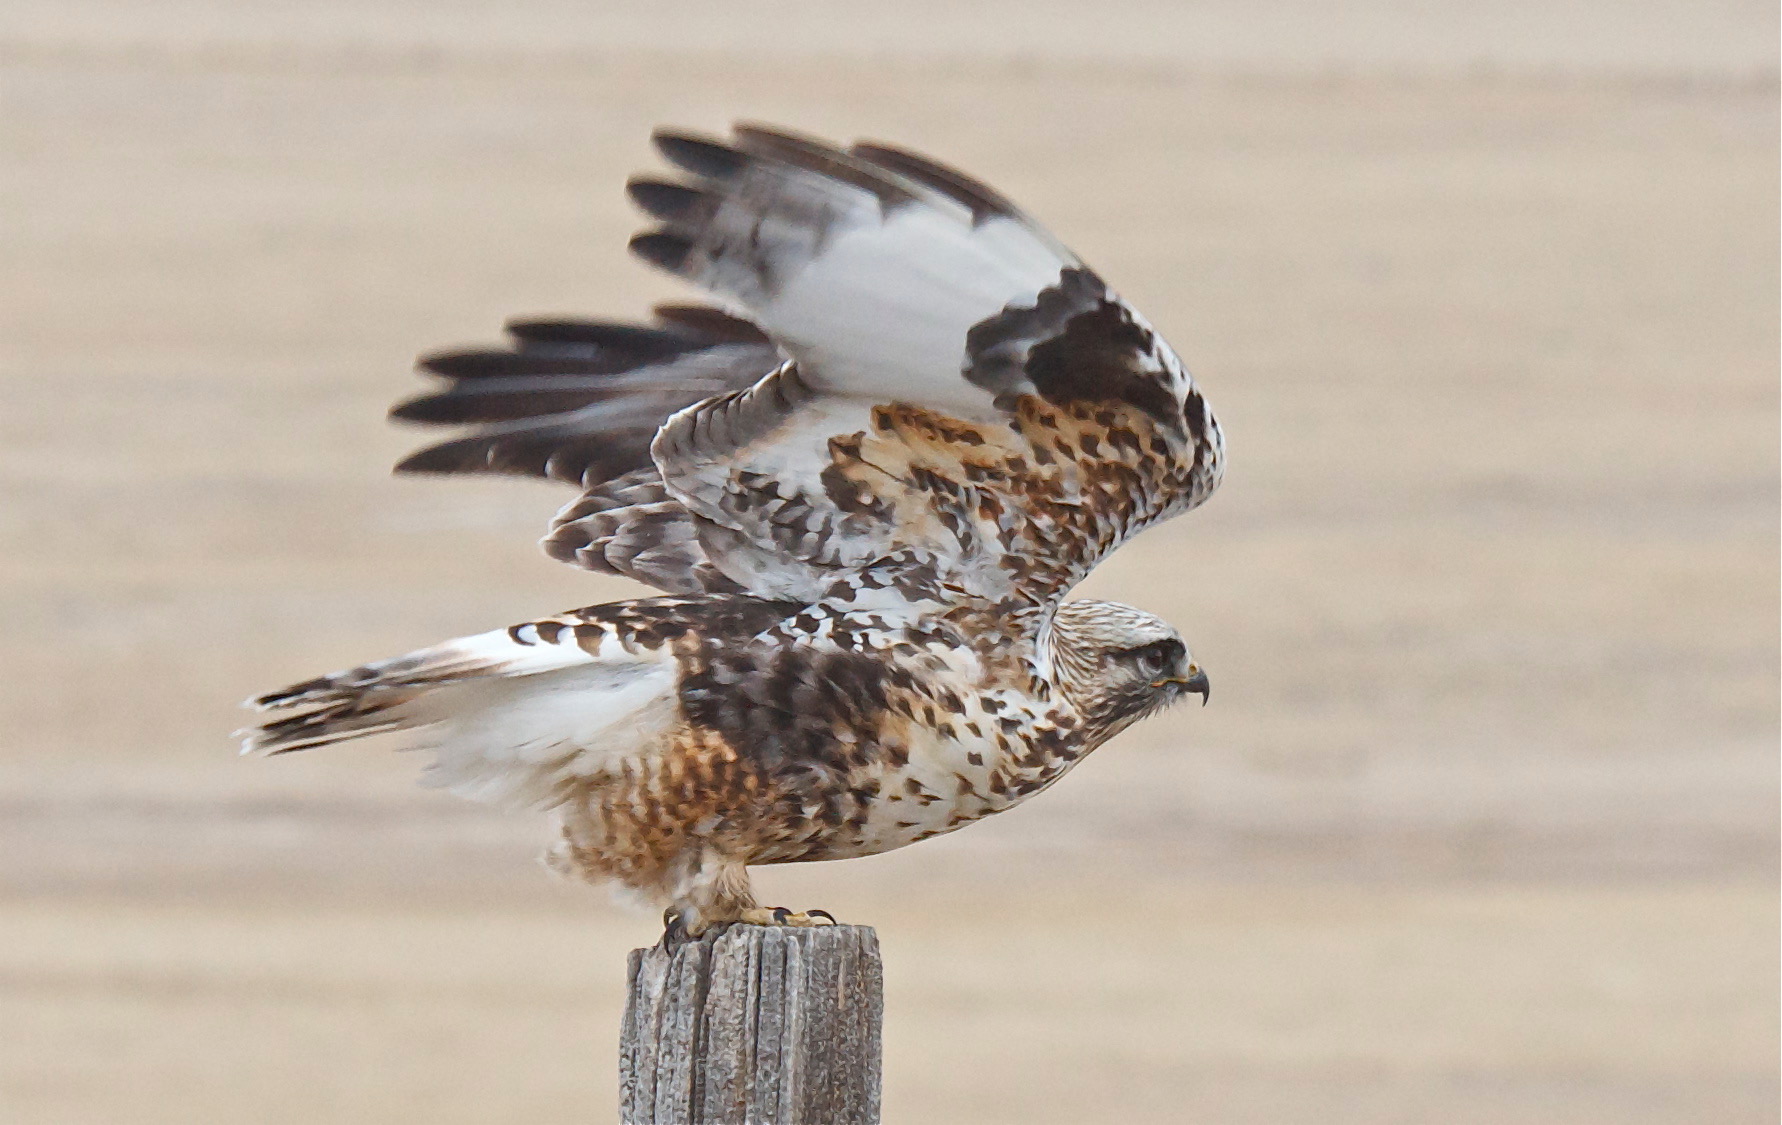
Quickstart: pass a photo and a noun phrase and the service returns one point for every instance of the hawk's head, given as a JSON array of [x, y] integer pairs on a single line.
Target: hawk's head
[[1119, 664]]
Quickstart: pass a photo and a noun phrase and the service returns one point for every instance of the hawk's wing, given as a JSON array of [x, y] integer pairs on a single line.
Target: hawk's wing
[[968, 410], [969, 406], [579, 402]]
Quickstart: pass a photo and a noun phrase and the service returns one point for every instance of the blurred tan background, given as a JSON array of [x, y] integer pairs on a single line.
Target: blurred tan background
[[1479, 827]]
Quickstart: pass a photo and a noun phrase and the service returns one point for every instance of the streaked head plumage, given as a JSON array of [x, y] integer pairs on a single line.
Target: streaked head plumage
[[1119, 664]]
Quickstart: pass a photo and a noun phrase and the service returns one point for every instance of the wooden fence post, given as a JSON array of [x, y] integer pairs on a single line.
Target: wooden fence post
[[774, 1025]]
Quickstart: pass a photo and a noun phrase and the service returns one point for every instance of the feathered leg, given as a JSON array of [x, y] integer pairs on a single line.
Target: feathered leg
[[714, 890], [709, 890]]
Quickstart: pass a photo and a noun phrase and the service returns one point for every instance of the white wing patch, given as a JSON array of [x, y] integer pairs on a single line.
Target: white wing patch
[[883, 310]]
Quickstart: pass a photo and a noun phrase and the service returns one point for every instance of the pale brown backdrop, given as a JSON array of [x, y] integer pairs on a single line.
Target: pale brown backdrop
[[1479, 827]]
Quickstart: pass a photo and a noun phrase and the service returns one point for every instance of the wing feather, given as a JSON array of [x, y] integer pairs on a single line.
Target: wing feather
[[632, 526], [580, 401]]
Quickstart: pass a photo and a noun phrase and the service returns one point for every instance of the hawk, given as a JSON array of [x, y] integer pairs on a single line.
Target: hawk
[[864, 490]]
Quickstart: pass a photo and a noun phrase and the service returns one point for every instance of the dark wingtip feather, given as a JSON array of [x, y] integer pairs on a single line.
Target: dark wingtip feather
[[715, 324], [762, 135], [701, 156], [671, 203], [483, 364], [479, 404], [447, 457], [662, 250], [463, 363], [551, 331], [983, 200], [418, 409], [817, 155]]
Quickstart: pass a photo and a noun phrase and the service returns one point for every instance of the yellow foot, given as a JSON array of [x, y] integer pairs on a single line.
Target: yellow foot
[[780, 916]]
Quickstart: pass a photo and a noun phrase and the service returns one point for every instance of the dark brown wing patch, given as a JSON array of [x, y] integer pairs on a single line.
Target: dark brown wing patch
[[1076, 343]]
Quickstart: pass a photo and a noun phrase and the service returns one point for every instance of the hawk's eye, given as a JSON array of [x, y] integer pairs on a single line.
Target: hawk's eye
[[1151, 660]]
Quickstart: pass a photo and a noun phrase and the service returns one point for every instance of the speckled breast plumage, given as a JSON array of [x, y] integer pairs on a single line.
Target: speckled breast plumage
[[883, 735]]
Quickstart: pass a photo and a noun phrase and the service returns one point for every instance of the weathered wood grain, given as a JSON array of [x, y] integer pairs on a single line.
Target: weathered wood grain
[[763, 1025]]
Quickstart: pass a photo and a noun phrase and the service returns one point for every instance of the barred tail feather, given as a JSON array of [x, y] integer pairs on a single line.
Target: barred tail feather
[[353, 714], [382, 696]]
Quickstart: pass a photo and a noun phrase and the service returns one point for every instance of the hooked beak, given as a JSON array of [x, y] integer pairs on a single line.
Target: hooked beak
[[1196, 683]]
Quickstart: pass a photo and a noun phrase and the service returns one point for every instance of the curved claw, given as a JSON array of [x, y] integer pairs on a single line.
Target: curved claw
[[780, 916]]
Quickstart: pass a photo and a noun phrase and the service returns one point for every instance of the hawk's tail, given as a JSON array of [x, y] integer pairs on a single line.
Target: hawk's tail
[[512, 716], [388, 695], [422, 688]]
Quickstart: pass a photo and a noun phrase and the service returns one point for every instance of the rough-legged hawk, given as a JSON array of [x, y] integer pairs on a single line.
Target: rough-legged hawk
[[865, 492]]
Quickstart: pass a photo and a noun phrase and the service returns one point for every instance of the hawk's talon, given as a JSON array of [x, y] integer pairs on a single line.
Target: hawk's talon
[[780, 916]]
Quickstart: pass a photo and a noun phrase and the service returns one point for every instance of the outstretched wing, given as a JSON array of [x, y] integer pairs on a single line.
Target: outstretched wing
[[580, 402], [968, 410]]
